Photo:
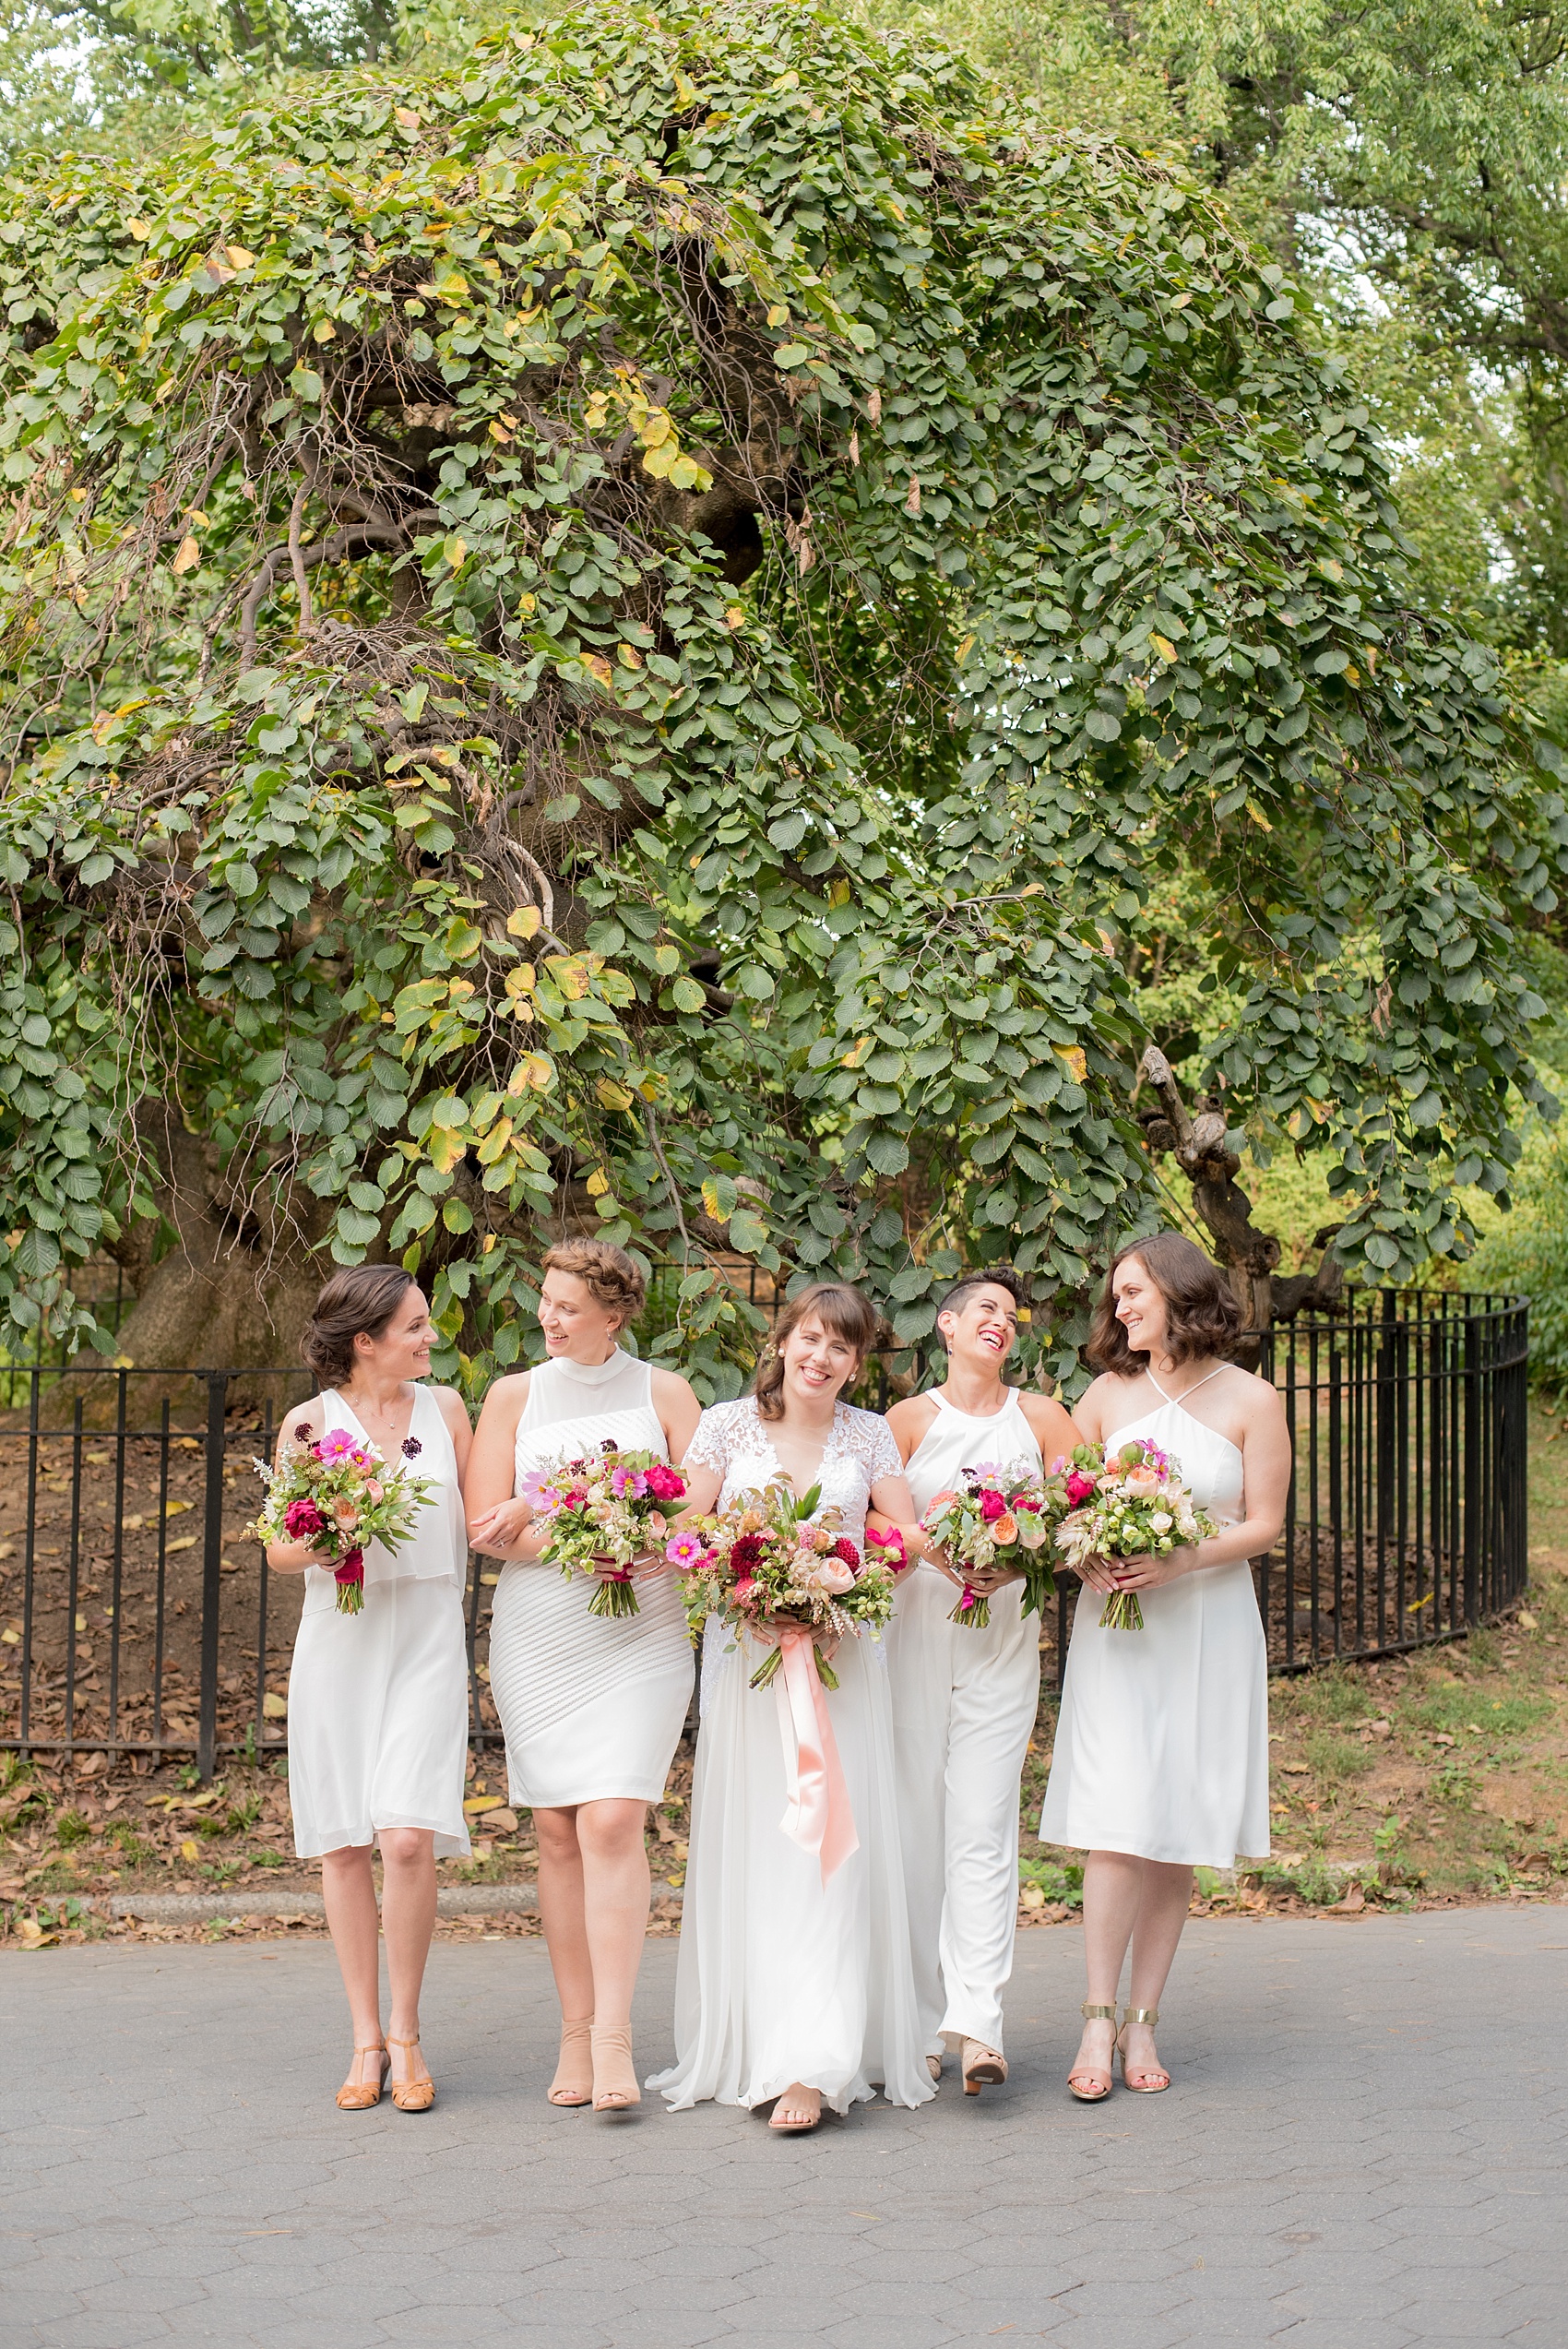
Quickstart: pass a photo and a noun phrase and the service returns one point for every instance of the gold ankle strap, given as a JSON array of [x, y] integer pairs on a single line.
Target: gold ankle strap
[[1139, 2014], [1096, 2014]]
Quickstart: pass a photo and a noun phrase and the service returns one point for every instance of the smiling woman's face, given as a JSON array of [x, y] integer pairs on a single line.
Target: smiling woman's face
[[402, 1351], [817, 1361], [982, 1327], [1140, 1308]]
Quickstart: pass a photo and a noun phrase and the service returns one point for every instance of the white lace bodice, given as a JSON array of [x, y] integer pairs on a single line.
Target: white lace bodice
[[733, 1439]]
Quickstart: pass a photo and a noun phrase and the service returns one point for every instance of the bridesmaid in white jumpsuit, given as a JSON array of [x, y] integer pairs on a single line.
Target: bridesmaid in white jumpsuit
[[965, 1700], [1161, 1756], [591, 1706]]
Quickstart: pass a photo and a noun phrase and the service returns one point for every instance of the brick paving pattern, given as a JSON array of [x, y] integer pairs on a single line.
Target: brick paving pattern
[[1364, 2149]]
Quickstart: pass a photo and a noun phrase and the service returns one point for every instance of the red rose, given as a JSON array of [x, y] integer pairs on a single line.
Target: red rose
[[1080, 1488], [302, 1520], [992, 1506]]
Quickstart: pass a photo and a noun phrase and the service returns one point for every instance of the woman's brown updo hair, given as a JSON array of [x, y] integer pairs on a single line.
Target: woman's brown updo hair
[[609, 1274], [360, 1300], [840, 1308], [1200, 1313]]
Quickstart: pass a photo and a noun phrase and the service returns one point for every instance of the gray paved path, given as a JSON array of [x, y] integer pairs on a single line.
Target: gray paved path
[[1364, 2149]]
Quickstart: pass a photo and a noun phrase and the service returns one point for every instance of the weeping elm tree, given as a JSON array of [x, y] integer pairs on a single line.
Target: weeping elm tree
[[622, 634]]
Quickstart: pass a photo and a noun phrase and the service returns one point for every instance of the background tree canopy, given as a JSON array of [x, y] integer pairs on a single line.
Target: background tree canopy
[[627, 628]]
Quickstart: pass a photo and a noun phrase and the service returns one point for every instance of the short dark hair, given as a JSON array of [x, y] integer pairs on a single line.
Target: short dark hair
[[363, 1297], [995, 1276], [1202, 1315]]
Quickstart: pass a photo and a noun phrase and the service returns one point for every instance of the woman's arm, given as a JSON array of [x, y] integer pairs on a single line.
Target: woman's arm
[[678, 1411], [892, 1503], [500, 1526], [292, 1557], [703, 1488], [454, 1412], [1266, 1484]]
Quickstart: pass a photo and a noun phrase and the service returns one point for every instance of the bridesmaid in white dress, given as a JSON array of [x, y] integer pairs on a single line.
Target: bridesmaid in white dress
[[965, 1701], [591, 1706], [791, 1991], [378, 1702], [1162, 1759]]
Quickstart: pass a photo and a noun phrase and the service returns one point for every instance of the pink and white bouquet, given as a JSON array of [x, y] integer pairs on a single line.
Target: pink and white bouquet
[[996, 1518], [602, 1512], [1125, 1500], [338, 1495], [763, 1566]]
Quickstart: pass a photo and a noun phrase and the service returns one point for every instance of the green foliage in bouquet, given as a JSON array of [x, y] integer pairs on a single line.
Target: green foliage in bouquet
[[619, 632]]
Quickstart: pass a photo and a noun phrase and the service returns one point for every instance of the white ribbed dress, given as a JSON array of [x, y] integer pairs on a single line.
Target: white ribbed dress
[[378, 1702], [591, 1706]]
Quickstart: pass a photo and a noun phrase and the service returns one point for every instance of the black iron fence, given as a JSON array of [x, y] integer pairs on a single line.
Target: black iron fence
[[136, 1618]]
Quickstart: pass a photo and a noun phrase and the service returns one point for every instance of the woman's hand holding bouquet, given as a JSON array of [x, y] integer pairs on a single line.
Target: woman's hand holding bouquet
[[763, 1566], [336, 1496], [996, 1526], [1123, 1502], [606, 1515]]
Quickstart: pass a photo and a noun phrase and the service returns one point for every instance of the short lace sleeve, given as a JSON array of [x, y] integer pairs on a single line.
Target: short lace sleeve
[[711, 1444], [869, 1440]]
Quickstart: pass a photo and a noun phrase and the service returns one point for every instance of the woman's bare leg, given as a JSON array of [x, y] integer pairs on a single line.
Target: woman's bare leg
[[348, 1892], [565, 1937], [1113, 1887], [1168, 1891], [612, 1839], [408, 1920]]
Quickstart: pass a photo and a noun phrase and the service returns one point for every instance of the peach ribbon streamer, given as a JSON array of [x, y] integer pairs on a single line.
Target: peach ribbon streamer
[[817, 1815]]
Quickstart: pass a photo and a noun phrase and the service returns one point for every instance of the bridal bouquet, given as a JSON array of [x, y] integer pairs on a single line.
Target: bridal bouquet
[[602, 1513], [338, 1495], [997, 1518], [1136, 1505], [761, 1564]]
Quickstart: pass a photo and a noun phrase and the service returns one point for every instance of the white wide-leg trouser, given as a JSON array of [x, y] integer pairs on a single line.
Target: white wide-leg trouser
[[964, 1706]]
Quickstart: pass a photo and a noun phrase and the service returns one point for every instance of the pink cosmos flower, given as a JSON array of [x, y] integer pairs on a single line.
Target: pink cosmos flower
[[685, 1549], [337, 1443], [624, 1481]]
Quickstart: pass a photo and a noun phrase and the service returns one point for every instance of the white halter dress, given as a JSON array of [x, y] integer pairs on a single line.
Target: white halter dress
[[378, 1702], [591, 1706], [1162, 1745], [781, 1977], [964, 1705]]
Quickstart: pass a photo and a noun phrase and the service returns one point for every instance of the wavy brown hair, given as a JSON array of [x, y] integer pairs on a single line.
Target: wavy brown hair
[[1200, 1313], [846, 1312]]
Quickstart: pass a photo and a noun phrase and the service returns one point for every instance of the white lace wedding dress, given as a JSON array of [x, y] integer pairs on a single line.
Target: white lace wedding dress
[[782, 1978]]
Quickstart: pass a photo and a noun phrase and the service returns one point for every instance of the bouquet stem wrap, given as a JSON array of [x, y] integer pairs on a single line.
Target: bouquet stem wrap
[[817, 1812]]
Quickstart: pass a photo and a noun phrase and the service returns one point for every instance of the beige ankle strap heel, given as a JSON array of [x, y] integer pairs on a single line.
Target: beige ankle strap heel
[[1096, 2083], [1152, 2080]]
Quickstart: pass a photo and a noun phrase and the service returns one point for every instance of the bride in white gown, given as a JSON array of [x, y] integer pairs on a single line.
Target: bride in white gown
[[790, 1989], [1161, 1756]]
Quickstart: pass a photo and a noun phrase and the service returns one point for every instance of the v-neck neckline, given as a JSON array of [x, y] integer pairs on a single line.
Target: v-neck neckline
[[828, 1443]]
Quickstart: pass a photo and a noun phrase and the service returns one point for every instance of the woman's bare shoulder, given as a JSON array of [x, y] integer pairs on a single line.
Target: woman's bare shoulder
[[451, 1406], [504, 1397]]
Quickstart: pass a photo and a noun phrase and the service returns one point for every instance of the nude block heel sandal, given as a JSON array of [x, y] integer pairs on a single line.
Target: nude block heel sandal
[[359, 2095], [1150, 2083], [1094, 2094], [982, 2067]]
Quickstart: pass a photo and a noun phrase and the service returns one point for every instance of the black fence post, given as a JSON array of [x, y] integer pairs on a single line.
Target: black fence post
[[211, 1572], [1475, 1402]]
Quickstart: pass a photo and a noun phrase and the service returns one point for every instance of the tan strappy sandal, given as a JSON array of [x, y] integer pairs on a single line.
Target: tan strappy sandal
[[792, 2128], [574, 2065], [1095, 2095], [1149, 2082], [933, 2065], [982, 2067], [615, 2088], [411, 2096], [359, 2095]]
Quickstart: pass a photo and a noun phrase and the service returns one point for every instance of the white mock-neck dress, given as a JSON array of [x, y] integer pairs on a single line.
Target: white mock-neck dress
[[1162, 1745], [781, 1977], [378, 1702], [963, 1706], [591, 1706]]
